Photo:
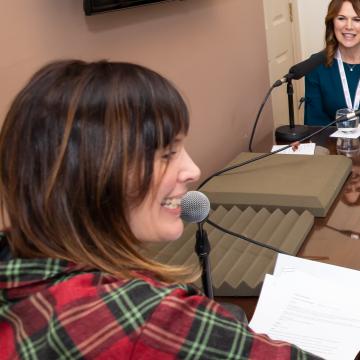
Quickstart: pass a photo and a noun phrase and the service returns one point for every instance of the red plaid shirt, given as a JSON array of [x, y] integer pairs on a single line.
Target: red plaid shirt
[[50, 310]]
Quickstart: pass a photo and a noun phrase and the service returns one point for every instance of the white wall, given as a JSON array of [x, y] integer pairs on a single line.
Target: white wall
[[309, 38], [311, 18]]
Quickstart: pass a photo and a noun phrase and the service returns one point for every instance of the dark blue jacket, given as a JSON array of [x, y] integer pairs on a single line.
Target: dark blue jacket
[[324, 93]]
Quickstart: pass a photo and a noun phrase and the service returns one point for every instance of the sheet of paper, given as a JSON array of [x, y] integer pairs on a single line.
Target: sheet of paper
[[349, 135], [303, 149], [288, 263], [308, 312]]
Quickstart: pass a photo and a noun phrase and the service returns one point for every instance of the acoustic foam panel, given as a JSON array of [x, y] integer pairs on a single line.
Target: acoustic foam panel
[[238, 267], [299, 182]]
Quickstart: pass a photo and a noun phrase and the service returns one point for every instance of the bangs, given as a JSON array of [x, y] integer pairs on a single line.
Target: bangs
[[166, 117], [161, 132], [158, 116]]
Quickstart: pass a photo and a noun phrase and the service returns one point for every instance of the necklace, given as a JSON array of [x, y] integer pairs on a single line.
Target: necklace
[[351, 66]]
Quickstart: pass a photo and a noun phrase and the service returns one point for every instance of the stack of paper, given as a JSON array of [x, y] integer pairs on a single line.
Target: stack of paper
[[312, 305]]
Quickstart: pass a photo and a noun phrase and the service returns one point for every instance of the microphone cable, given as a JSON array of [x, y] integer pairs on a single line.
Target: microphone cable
[[292, 145], [232, 167], [258, 114], [195, 208], [243, 237]]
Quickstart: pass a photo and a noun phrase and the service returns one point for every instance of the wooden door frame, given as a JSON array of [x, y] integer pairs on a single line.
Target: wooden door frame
[[298, 85]]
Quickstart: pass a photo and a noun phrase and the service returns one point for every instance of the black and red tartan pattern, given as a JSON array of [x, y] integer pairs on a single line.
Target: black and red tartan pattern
[[50, 310]]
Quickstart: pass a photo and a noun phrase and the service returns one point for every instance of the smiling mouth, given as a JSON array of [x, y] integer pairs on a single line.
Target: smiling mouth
[[348, 35], [173, 203]]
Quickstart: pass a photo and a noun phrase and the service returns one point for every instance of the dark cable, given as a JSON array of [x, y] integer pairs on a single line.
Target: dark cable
[[262, 156], [258, 114], [246, 238]]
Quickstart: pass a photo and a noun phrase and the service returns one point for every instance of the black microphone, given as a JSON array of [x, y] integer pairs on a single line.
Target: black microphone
[[301, 69], [291, 132]]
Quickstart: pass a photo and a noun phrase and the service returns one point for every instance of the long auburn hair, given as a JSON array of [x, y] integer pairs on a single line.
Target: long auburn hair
[[70, 140], [331, 43]]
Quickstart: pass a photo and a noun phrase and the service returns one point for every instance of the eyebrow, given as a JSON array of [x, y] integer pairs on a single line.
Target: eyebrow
[[178, 139], [352, 17]]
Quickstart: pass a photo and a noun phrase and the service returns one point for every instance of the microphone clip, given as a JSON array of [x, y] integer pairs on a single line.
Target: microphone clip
[[281, 81], [202, 245], [202, 248]]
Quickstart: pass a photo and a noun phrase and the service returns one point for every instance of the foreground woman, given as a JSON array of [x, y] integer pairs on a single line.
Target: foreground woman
[[93, 167]]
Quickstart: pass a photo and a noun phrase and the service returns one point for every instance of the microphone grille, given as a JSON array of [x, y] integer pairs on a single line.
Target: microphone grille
[[195, 207]]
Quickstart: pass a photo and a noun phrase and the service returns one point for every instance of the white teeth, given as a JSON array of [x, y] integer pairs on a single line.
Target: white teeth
[[171, 203]]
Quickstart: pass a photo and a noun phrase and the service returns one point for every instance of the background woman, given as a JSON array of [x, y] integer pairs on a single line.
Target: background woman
[[92, 168], [335, 84]]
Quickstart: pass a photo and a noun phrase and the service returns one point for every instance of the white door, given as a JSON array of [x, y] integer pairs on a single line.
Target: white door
[[279, 38]]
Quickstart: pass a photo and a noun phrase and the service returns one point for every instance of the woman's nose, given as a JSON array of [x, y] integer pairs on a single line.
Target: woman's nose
[[349, 24], [191, 171]]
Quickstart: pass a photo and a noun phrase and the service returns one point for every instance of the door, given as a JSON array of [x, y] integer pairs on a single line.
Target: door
[[280, 51]]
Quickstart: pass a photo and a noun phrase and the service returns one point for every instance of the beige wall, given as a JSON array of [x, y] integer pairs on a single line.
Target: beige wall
[[213, 50]]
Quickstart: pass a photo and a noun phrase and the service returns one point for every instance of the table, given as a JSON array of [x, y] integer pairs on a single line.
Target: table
[[334, 239]]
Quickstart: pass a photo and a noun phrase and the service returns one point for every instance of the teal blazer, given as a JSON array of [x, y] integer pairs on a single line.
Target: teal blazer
[[324, 93]]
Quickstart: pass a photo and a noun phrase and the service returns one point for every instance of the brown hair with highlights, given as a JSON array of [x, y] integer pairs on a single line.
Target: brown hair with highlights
[[67, 146], [331, 42]]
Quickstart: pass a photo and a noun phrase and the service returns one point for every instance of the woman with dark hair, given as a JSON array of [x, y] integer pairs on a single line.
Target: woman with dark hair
[[92, 168], [335, 84]]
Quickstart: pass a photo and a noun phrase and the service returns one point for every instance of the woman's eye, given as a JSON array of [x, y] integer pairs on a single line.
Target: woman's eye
[[168, 155], [341, 18]]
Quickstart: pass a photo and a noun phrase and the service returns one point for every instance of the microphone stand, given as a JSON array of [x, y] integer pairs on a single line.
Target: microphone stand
[[202, 248], [291, 132]]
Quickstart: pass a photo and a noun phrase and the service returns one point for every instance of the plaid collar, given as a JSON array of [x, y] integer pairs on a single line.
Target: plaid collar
[[21, 272], [19, 278]]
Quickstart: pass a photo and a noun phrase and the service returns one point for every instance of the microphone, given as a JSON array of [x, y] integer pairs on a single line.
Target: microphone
[[195, 207], [301, 69], [348, 116], [291, 132]]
